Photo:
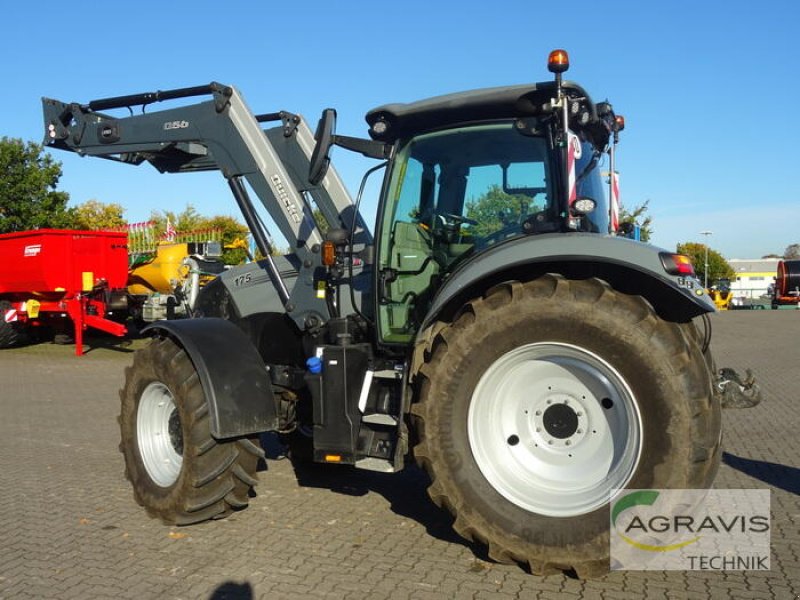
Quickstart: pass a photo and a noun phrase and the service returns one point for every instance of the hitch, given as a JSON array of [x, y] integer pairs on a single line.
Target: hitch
[[737, 393]]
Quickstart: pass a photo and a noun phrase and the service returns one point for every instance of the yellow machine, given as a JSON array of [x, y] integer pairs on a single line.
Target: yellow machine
[[164, 284], [162, 273], [721, 294]]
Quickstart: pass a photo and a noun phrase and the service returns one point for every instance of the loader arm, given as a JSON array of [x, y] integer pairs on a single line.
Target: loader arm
[[222, 134]]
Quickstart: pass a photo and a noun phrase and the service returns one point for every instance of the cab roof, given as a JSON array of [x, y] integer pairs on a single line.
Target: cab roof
[[400, 121]]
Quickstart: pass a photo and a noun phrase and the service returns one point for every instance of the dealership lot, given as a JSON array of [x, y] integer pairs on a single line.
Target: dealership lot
[[69, 527]]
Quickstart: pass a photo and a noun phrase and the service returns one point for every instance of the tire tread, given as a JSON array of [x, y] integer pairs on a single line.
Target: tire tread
[[479, 316]]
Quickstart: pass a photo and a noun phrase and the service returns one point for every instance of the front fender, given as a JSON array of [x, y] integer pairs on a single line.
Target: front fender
[[629, 266], [235, 381]]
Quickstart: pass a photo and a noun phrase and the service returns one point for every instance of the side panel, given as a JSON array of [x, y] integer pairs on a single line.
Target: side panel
[[631, 267], [234, 379], [247, 290]]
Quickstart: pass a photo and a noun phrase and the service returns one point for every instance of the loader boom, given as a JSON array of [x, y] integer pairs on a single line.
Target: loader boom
[[223, 134]]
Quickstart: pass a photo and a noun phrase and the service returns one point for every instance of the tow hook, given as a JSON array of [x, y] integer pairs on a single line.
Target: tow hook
[[737, 393]]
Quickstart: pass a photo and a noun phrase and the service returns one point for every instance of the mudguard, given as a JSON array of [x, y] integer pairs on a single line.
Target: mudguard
[[629, 266], [235, 381]]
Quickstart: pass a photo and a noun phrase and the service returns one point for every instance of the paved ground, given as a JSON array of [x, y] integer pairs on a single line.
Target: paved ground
[[69, 527]]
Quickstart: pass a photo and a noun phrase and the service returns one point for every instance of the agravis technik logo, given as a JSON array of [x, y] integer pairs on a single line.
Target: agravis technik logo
[[690, 530]]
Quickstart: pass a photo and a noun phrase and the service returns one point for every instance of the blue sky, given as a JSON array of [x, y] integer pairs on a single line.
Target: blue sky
[[707, 88]]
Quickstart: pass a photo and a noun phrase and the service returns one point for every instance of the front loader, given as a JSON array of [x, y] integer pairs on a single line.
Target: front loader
[[495, 328]]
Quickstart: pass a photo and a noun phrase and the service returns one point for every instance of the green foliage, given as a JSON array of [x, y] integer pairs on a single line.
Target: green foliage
[[792, 251], [319, 219], [234, 233], [638, 215], [496, 210], [186, 220], [28, 198], [718, 267], [97, 215]]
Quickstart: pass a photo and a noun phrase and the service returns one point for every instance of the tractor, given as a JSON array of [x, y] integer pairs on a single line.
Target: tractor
[[491, 326]]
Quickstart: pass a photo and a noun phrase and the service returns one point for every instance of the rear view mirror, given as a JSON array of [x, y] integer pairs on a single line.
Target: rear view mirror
[[320, 158]]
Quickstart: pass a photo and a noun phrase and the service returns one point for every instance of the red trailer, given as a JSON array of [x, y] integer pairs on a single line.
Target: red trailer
[[49, 275]]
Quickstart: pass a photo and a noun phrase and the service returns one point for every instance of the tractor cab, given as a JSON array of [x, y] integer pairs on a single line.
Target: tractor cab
[[474, 170]]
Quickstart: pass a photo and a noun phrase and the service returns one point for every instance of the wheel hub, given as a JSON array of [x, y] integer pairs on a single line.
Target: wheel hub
[[560, 421], [159, 434], [175, 432], [554, 429]]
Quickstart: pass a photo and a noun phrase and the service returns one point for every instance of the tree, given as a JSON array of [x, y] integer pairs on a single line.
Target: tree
[[97, 215], [233, 233], [189, 220], [28, 198], [186, 220], [792, 251], [718, 267], [319, 219], [639, 216], [496, 209]]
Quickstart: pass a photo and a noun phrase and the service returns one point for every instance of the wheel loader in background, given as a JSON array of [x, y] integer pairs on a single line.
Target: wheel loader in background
[[493, 328]]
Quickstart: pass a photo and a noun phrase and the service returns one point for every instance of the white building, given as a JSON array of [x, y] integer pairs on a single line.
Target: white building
[[753, 276]]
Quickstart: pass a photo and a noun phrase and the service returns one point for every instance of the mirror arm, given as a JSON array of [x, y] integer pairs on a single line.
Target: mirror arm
[[369, 148]]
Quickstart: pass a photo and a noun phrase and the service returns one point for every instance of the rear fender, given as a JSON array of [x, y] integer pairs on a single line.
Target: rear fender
[[628, 266], [233, 376]]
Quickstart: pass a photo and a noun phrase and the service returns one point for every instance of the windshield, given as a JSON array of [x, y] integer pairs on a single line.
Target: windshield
[[450, 194], [470, 187]]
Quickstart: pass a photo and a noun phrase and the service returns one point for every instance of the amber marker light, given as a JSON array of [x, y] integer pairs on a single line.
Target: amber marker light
[[619, 120], [558, 61], [328, 253], [677, 264]]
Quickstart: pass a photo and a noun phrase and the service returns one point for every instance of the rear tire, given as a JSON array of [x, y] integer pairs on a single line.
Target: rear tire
[[634, 408], [10, 334], [179, 472]]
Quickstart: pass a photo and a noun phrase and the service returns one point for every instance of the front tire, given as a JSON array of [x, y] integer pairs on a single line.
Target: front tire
[[541, 398], [179, 472]]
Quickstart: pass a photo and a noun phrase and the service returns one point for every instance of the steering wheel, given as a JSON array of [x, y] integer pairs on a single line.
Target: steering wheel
[[457, 219]]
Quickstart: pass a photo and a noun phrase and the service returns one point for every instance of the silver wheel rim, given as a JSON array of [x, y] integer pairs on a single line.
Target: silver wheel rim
[[554, 428], [159, 434]]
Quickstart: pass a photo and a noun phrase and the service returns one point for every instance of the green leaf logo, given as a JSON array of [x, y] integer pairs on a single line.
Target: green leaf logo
[[642, 498]]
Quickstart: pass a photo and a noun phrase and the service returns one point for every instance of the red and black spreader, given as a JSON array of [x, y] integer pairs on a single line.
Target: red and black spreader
[[50, 275]]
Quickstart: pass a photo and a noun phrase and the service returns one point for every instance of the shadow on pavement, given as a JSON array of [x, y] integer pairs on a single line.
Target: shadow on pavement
[[405, 491], [230, 590], [779, 476], [107, 343]]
